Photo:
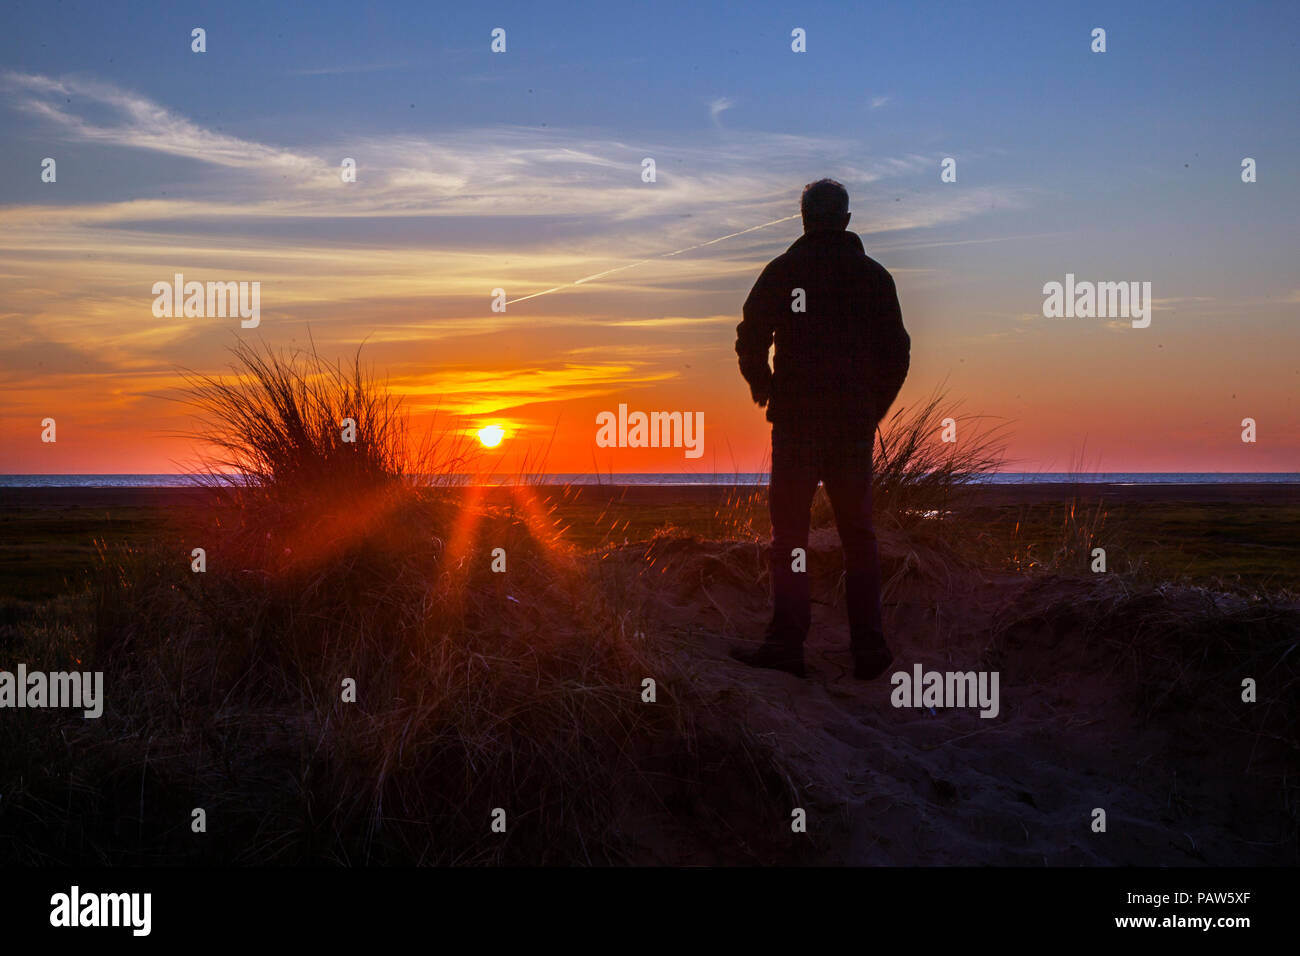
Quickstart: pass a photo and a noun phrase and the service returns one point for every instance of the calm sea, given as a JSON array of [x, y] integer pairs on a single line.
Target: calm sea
[[720, 478]]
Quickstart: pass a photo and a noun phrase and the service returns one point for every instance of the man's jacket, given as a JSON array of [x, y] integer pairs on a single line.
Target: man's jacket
[[843, 359]]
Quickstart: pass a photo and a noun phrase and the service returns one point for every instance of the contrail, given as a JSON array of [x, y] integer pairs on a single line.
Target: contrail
[[641, 262]]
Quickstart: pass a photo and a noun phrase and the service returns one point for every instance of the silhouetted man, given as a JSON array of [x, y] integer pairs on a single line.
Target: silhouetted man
[[841, 356]]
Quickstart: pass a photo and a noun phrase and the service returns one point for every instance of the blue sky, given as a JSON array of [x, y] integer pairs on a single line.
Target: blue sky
[[522, 169]]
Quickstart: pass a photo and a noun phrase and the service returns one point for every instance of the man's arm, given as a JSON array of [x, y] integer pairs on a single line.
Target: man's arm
[[754, 336], [891, 347]]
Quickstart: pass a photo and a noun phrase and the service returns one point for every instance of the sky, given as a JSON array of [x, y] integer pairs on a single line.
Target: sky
[[522, 171]]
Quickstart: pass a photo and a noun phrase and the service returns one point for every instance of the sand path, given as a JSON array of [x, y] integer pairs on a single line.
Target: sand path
[[886, 785]]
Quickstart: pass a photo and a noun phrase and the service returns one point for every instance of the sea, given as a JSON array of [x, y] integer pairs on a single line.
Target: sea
[[699, 478]]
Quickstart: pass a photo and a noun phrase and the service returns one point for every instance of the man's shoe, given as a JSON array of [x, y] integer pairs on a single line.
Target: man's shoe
[[871, 664], [774, 656]]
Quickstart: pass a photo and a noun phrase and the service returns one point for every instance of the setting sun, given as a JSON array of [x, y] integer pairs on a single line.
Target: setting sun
[[491, 436]]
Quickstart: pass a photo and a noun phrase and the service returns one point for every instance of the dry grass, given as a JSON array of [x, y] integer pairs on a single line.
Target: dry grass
[[917, 477], [331, 562], [1069, 546]]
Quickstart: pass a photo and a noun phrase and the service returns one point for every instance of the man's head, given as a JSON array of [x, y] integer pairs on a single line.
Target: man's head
[[825, 206]]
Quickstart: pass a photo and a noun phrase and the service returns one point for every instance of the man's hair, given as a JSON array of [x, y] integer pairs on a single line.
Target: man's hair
[[824, 203]]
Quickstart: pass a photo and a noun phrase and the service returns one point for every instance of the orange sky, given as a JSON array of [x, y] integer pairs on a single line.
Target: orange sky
[[405, 260]]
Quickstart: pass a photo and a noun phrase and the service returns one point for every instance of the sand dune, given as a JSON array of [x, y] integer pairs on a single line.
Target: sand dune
[[1082, 722]]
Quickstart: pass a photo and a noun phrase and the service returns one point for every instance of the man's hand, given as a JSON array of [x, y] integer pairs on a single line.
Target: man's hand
[[755, 331]]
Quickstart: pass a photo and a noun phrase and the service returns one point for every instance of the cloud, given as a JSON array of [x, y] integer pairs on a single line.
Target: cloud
[[479, 391], [724, 184], [138, 123], [878, 101], [717, 106], [408, 255]]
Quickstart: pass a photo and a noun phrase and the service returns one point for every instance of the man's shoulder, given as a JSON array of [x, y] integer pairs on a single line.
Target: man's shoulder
[[779, 266], [876, 269], [798, 256]]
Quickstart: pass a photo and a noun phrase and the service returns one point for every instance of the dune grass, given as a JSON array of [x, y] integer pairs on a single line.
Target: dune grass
[[349, 681], [917, 476]]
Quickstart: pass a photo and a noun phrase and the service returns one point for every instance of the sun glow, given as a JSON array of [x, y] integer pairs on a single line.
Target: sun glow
[[491, 435]]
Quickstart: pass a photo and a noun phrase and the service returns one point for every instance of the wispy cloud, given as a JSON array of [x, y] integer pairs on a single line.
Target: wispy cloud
[[717, 106], [722, 185], [135, 122], [408, 255], [480, 391]]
